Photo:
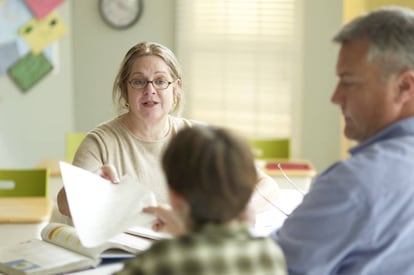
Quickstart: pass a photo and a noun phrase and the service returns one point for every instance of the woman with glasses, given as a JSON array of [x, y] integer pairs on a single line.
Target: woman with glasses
[[147, 91]]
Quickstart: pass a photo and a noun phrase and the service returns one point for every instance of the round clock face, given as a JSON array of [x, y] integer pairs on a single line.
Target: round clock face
[[120, 14]]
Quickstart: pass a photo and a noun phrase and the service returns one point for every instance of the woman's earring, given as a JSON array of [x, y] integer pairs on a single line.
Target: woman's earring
[[127, 105]]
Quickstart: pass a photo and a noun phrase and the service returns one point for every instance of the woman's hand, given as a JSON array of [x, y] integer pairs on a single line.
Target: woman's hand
[[167, 220], [108, 172], [62, 203]]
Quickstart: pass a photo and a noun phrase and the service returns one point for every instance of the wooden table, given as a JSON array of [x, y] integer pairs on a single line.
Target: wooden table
[[25, 209], [23, 218]]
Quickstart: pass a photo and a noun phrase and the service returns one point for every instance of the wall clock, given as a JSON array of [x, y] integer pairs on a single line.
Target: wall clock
[[120, 14]]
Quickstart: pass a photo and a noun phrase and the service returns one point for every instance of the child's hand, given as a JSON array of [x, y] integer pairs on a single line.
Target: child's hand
[[167, 220]]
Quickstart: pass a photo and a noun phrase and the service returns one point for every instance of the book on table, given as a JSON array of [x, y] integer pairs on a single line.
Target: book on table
[[60, 250], [107, 218]]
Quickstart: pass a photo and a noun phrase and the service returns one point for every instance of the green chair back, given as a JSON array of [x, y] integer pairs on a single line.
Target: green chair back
[[277, 148], [24, 182], [73, 140]]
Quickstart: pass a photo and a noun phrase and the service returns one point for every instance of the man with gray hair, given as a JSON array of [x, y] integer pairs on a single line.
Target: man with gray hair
[[358, 218]]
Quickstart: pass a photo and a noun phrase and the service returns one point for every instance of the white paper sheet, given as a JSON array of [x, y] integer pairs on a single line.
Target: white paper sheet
[[101, 209]]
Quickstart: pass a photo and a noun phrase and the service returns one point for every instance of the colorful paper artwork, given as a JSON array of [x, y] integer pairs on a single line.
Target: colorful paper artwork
[[29, 30], [29, 70], [13, 15], [40, 33], [9, 54], [41, 8]]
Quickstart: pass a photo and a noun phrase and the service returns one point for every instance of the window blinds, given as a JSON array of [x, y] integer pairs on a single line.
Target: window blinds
[[237, 57]]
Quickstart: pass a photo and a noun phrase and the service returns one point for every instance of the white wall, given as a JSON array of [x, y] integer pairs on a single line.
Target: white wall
[[79, 96]]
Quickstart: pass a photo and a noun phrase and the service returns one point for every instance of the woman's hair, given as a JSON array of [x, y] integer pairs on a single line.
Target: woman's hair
[[213, 170], [120, 88], [390, 32]]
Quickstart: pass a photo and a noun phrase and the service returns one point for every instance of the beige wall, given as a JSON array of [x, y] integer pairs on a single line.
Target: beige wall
[[320, 136]]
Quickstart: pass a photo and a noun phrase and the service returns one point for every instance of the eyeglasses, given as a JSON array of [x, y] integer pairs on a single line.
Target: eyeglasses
[[288, 180], [158, 84]]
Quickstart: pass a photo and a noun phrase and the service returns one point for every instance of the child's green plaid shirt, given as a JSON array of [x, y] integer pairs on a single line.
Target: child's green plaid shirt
[[214, 250]]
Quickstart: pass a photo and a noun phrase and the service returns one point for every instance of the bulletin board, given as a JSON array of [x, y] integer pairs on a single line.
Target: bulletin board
[[29, 34]]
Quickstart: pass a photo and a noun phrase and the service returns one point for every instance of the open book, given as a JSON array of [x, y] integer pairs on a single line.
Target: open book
[[60, 251]]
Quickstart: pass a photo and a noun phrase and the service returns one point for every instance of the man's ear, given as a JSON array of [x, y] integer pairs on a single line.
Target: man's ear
[[405, 82]]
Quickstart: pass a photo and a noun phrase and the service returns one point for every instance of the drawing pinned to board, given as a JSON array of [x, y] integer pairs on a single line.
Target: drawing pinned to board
[[40, 33], [41, 8], [13, 15], [39, 38], [9, 54], [29, 70]]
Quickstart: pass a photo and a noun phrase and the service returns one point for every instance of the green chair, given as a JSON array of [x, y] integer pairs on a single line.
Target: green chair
[[73, 140], [24, 182], [277, 148]]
